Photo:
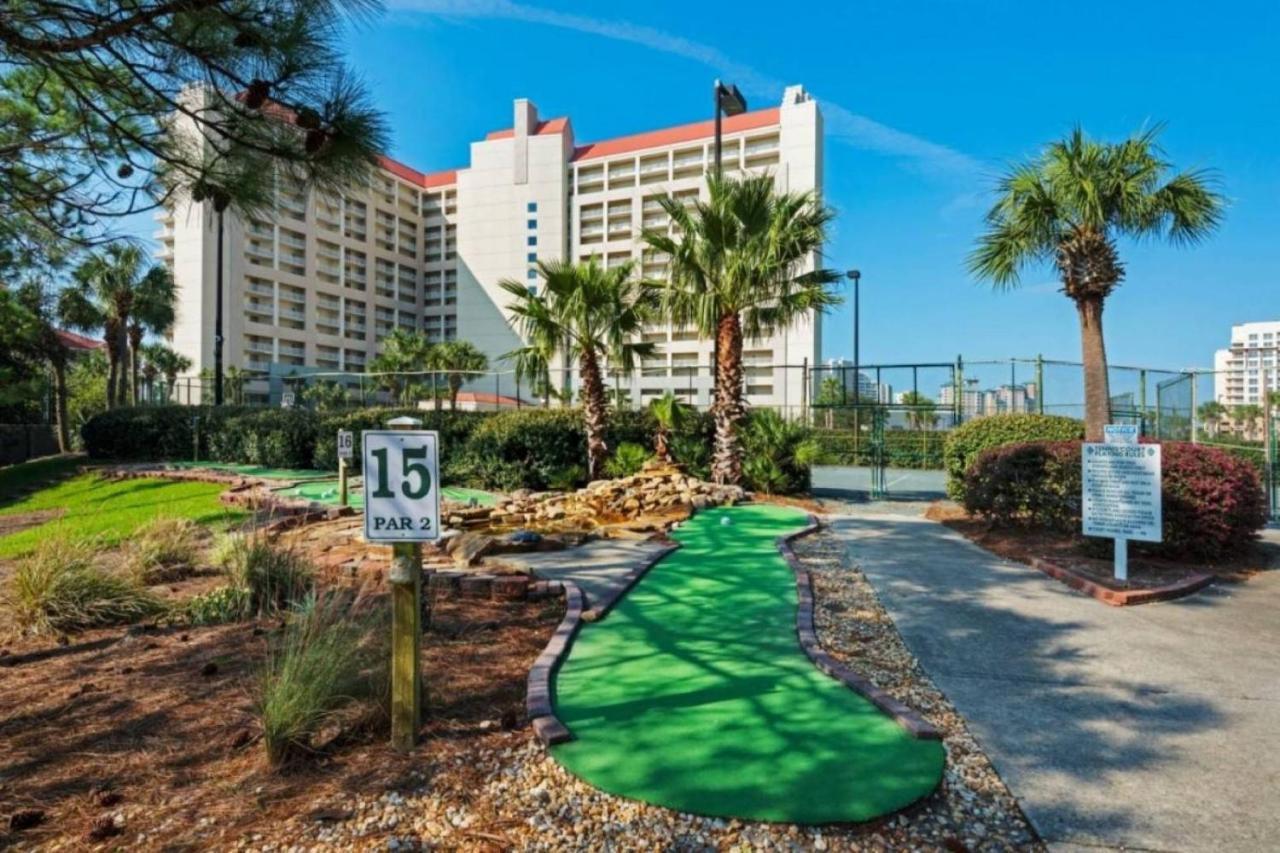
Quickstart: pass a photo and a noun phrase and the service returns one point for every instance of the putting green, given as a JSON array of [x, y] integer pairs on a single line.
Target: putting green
[[262, 471], [694, 693], [326, 491]]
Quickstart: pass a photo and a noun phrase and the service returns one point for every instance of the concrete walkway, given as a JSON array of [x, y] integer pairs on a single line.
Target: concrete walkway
[[600, 567], [1153, 727]]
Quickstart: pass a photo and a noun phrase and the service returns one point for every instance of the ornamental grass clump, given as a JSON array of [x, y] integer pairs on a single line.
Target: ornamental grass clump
[[58, 588], [163, 550], [328, 670], [273, 577]]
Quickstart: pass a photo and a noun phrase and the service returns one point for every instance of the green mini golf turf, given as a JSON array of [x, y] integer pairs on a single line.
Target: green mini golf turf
[[256, 470], [326, 491], [694, 693]]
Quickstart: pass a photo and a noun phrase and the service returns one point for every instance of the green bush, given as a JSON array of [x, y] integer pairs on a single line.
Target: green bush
[[627, 459], [1212, 502], [965, 442], [58, 588], [777, 453], [325, 661], [454, 428], [218, 606]]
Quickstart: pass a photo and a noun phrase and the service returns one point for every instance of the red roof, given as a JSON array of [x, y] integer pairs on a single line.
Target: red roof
[[71, 340], [413, 176], [551, 125], [675, 135], [488, 399]]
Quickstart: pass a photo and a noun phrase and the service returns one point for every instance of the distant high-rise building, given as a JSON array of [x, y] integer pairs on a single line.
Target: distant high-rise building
[[1249, 363], [868, 389], [1004, 399]]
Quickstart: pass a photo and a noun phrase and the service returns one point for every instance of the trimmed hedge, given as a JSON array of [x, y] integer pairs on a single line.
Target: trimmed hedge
[[1213, 502], [527, 448], [964, 443]]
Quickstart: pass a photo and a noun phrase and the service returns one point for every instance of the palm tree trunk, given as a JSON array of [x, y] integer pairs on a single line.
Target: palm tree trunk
[[728, 410], [1093, 352], [60, 406], [455, 385], [112, 368], [135, 344], [594, 413]]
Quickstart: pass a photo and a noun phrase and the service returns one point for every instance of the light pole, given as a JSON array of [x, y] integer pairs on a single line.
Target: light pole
[[855, 276]]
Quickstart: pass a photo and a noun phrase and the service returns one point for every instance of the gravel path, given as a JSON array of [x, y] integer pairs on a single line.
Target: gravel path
[[508, 793]]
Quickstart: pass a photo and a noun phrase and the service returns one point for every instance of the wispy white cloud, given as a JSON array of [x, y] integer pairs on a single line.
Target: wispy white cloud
[[842, 123]]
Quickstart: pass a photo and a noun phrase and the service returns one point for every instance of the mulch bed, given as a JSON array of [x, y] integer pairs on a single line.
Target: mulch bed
[[147, 738], [1082, 557]]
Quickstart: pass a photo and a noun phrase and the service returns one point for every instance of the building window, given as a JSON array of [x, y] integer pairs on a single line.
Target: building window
[[533, 207], [533, 240], [533, 223], [532, 274], [533, 257]]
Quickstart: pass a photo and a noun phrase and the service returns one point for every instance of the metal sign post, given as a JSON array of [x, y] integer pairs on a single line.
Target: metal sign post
[[346, 446], [402, 506], [1122, 491]]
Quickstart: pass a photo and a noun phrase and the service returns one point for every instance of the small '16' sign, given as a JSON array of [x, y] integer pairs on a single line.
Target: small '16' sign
[[401, 486]]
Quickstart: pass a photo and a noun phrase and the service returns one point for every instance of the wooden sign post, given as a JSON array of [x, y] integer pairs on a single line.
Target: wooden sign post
[[402, 507], [346, 446]]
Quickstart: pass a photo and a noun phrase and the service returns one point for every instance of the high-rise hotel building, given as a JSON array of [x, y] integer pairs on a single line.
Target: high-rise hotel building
[[317, 284]]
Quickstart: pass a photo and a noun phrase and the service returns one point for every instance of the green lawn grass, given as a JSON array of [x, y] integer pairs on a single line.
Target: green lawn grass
[[694, 693], [110, 510]]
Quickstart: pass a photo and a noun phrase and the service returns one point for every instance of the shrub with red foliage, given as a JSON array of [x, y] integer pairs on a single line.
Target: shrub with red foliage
[[1213, 502]]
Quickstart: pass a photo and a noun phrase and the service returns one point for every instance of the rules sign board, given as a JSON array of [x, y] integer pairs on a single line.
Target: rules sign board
[[1122, 491], [401, 486]]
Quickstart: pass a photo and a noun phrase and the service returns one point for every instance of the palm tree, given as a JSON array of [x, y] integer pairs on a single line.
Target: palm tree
[[1068, 206], [671, 414], [153, 312], [1246, 417], [112, 292], [1211, 413], [589, 315], [461, 362], [168, 363], [738, 268], [403, 352]]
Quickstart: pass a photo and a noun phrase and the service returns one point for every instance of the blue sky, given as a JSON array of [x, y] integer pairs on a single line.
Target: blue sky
[[924, 102]]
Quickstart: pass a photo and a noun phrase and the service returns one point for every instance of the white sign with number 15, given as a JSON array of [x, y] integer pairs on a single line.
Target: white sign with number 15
[[401, 486]]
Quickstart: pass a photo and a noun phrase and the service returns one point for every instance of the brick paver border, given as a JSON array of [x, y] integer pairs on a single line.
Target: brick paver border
[[916, 725], [538, 704], [1121, 597]]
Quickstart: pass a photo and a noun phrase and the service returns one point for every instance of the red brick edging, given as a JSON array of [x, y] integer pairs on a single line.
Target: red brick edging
[[916, 725], [538, 705], [1121, 597], [632, 578]]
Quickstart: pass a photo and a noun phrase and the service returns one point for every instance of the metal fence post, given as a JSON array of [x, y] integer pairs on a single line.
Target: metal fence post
[[804, 392], [958, 378], [1142, 400], [1194, 415], [1039, 383]]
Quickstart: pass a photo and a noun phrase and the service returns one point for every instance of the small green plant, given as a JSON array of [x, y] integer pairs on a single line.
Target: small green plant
[[273, 577], [218, 606], [58, 588], [694, 453], [671, 416], [777, 453], [567, 479], [326, 661], [627, 460], [162, 550]]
